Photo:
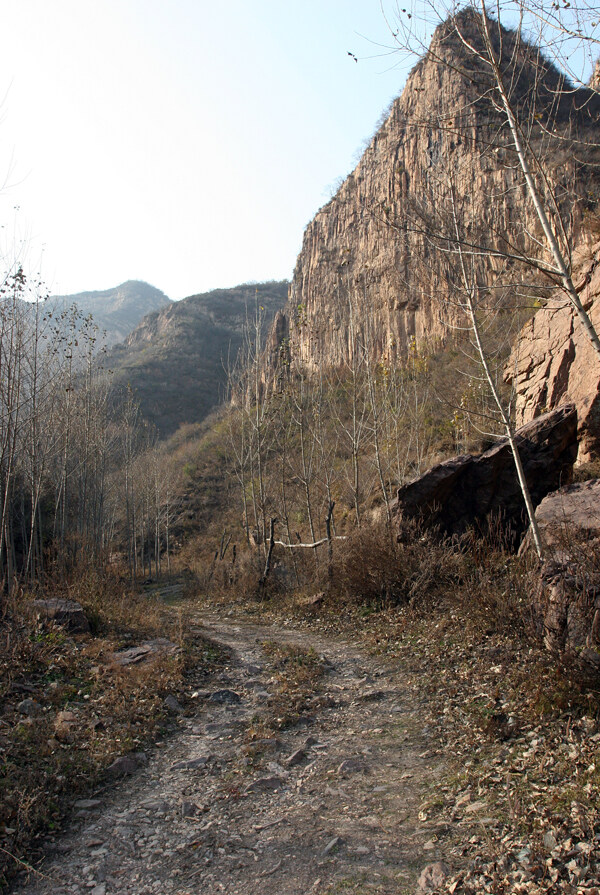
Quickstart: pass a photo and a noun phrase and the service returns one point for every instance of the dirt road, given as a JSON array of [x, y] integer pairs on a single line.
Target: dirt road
[[330, 803]]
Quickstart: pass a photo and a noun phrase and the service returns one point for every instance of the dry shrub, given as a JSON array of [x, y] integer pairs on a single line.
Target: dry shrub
[[244, 581], [495, 585], [297, 676], [586, 471], [225, 580], [386, 567], [413, 567]]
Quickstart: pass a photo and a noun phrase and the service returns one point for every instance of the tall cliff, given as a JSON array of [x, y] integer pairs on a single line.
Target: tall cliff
[[373, 257]]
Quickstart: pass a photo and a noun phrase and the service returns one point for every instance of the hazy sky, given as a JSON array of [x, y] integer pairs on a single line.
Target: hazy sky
[[182, 142]]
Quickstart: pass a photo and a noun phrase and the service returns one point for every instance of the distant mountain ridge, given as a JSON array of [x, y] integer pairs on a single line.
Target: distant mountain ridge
[[117, 311], [175, 360]]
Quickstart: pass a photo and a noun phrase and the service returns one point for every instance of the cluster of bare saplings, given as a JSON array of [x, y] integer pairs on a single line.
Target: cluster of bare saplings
[[78, 470], [316, 456]]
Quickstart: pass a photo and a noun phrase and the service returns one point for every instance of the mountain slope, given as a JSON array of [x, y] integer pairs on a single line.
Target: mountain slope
[[117, 311], [176, 359]]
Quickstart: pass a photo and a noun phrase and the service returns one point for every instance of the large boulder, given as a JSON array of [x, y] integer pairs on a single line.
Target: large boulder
[[569, 518], [466, 491], [566, 592]]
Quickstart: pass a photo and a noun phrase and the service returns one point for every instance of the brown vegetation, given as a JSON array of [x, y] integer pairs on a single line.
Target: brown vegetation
[[69, 709]]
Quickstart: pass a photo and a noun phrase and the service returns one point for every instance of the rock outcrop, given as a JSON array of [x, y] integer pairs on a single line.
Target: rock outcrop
[[66, 613], [372, 265], [566, 593], [467, 490], [553, 361]]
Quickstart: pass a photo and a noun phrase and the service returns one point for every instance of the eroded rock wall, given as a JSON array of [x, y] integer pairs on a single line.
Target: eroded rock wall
[[553, 362]]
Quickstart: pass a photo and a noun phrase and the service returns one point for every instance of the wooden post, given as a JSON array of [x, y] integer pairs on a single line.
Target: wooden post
[[329, 541], [265, 574]]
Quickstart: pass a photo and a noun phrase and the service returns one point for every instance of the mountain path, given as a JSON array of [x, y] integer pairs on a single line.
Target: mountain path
[[214, 812]]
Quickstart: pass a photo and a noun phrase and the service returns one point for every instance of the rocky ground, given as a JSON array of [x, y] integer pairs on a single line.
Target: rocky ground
[[313, 763], [244, 800]]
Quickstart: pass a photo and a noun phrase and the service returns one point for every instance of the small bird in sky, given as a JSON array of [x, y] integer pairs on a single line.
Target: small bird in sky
[[353, 56]]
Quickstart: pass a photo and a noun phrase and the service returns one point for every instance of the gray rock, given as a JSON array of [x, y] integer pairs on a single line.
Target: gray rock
[[350, 766], [189, 809], [566, 590], [156, 806], [189, 764], [573, 509], [122, 766], [29, 707], [172, 705], [372, 695], [66, 613], [433, 877], [295, 758], [225, 697], [63, 726], [145, 651], [88, 803], [266, 784], [332, 844], [549, 840]]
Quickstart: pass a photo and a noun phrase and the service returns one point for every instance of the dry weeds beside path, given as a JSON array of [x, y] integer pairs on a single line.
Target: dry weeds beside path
[[308, 783]]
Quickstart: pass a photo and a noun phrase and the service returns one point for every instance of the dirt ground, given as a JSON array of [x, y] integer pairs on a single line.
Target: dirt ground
[[275, 783]]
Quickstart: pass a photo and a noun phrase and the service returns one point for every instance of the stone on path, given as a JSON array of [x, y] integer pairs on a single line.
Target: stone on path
[[333, 843], [66, 613], [295, 758], [126, 764], [172, 705], [29, 707], [266, 784], [433, 877], [145, 651], [225, 697]]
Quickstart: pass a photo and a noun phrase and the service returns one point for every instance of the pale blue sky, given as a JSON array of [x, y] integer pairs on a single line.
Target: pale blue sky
[[183, 142]]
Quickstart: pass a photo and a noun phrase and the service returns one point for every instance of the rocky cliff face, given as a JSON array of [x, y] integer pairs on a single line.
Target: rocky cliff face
[[553, 362], [373, 258]]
